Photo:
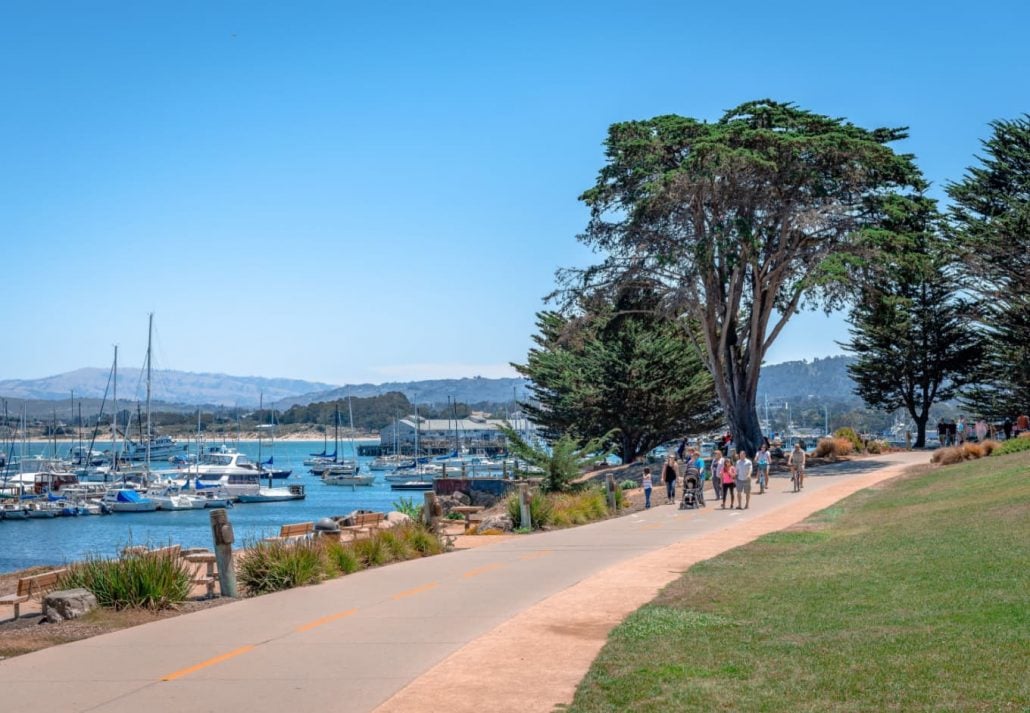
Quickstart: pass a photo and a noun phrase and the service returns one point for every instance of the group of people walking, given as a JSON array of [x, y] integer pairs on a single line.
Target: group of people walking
[[731, 475], [951, 432]]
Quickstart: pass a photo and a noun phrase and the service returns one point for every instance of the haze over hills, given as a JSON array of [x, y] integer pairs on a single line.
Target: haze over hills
[[825, 378]]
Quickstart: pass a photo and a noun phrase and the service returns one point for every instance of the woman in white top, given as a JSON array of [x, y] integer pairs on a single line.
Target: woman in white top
[[762, 462], [647, 485]]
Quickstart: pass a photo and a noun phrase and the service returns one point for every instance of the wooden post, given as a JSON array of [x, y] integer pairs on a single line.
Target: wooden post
[[610, 485], [430, 507], [524, 511], [221, 532]]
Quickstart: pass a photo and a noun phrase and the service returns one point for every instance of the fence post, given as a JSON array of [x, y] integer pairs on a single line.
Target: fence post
[[430, 507], [610, 483], [527, 520], [221, 532]]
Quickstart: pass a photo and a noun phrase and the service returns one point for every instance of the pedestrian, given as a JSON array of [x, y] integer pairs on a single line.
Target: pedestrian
[[1007, 428], [699, 463], [1022, 424], [717, 474], [960, 430], [669, 476], [796, 461], [646, 482], [728, 475], [952, 433], [942, 432], [981, 430], [762, 462], [744, 468]]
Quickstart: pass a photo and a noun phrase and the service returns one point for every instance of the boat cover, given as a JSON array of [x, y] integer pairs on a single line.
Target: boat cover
[[130, 496]]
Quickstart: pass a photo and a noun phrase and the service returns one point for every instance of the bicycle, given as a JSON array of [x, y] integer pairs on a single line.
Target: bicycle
[[795, 478]]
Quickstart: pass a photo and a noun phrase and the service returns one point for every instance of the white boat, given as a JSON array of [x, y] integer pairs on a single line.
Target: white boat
[[349, 479], [161, 448], [232, 472], [126, 500], [274, 495], [42, 509], [171, 498], [14, 511]]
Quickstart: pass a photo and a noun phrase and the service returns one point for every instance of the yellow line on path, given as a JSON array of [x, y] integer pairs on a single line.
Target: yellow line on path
[[324, 620], [536, 555], [416, 590], [210, 662], [482, 570]]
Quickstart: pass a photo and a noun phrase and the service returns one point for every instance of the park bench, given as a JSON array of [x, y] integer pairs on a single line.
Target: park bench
[[468, 511], [294, 531], [33, 586], [362, 522]]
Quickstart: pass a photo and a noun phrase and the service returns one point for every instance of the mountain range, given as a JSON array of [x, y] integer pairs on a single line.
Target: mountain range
[[820, 378]]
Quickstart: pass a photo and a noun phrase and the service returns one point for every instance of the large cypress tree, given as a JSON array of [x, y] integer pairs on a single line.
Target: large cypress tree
[[737, 223], [990, 214], [916, 340]]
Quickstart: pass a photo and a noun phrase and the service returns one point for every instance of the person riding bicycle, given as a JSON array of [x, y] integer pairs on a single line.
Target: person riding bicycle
[[796, 461]]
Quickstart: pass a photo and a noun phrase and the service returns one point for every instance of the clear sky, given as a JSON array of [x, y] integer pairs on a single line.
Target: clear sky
[[375, 191]]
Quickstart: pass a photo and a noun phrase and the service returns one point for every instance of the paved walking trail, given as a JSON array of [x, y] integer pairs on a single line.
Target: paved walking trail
[[513, 625]]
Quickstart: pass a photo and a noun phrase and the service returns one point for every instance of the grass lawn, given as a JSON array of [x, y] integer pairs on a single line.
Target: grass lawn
[[914, 596]]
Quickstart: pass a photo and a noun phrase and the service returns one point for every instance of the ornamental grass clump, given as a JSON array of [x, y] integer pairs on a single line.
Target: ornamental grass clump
[[833, 447], [341, 557], [396, 545], [275, 566], [142, 580], [372, 551], [421, 540], [972, 451], [948, 456], [851, 435]]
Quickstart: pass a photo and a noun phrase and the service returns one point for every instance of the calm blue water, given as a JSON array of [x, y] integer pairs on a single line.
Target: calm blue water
[[24, 543]]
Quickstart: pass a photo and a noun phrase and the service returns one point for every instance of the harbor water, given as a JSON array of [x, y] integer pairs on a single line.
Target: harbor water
[[57, 541]]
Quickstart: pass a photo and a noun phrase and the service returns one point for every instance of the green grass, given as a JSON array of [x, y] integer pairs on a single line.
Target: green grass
[[1012, 445], [144, 581], [910, 597]]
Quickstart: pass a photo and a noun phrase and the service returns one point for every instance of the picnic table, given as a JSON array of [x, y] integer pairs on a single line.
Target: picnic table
[[467, 511]]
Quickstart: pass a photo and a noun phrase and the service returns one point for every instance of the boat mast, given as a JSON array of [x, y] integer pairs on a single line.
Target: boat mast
[[114, 413], [261, 407], [350, 409], [150, 334]]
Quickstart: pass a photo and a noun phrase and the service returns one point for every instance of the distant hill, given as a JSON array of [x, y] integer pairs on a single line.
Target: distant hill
[[171, 386], [825, 378], [470, 390], [820, 378]]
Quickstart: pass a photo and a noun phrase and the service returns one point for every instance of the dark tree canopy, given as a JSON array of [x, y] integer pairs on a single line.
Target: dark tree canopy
[[991, 217], [736, 223], [618, 366], [915, 339]]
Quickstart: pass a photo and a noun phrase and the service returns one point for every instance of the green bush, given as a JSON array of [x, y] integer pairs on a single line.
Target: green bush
[[421, 540], [408, 507], [372, 551], [275, 566], [541, 509], [395, 544], [1012, 445], [849, 433], [342, 558], [628, 485], [143, 580]]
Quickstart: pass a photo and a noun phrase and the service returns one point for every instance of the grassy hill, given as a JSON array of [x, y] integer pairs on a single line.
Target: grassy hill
[[911, 597]]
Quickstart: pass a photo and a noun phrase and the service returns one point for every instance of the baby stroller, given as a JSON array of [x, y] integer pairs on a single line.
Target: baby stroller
[[693, 496]]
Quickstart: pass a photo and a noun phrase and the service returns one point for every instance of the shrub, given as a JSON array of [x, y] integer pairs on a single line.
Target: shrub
[[421, 540], [275, 566], [371, 551], [849, 433], [408, 507], [877, 447], [396, 545], [143, 580], [948, 456], [628, 485], [972, 451], [341, 557], [541, 508], [988, 445], [1012, 445], [833, 447]]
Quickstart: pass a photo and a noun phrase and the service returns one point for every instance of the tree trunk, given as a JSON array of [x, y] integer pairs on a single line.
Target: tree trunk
[[921, 431], [743, 420]]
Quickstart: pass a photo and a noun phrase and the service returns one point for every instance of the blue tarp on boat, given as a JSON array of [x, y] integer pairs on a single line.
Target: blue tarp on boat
[[130, 496]]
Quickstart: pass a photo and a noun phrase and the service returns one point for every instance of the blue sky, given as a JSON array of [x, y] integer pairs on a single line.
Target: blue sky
[[367, 192]]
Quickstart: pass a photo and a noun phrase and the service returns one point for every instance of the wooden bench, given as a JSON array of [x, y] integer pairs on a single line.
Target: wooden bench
[[468, 511], [29, 587], [294, 531], [366, 521]]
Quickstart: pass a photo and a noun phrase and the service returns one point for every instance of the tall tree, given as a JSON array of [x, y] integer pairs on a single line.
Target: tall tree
[[991, 216], [618, 367], [737, 223], [914, 338]]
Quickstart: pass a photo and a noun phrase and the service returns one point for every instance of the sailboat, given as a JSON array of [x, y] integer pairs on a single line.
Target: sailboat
[[268, 468], [345, 471]]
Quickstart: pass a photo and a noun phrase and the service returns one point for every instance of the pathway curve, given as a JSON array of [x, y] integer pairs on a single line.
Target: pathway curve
[[514, 624]]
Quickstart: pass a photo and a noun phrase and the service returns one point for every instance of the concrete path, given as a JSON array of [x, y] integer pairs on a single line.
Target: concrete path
[[481, 624]]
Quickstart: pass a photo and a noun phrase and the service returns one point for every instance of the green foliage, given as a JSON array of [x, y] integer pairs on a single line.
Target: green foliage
[[564, 461], [396, 545], [341, 557], [990, 216], [1012, 445], [371, 413], [910, 330], [372, 551], [420, 540], [628, 485], [408, 507], [144, 580], [619, 366], [275, 566], [849, 433], [735, 222], [541, 509]]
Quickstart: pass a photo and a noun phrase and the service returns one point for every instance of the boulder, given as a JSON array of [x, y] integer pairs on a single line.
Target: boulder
[[483, 498], [449, 502], [68, 604], [394, 518], [496, 521]]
